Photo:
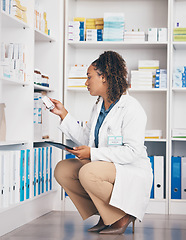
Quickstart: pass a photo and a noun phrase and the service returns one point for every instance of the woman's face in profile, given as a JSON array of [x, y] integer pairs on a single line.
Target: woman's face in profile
[[96, 84]]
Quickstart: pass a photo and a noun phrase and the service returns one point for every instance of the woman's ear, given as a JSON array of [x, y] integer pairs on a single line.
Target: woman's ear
[[103, 79]]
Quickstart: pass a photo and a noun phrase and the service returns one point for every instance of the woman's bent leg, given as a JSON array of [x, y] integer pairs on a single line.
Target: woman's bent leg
[[67, 175], [98, 179]]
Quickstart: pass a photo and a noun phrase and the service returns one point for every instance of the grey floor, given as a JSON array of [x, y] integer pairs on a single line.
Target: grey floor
[[70, 226]]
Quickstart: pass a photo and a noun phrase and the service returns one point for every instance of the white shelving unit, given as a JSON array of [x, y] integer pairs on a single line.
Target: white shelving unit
[[155, 101], [177, 99], [45, 53]]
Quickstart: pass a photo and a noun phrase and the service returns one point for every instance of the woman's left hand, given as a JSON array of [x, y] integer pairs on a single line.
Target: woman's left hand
[[82, 152]]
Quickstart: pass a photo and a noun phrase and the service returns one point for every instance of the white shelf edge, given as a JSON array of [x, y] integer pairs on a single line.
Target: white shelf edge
[[43, 140], [40, 36], [178, 200], [157, 200], [39, 87], [12, 81], [27, 201], [84, 89], [147, 90], [179, 139], [14, 20], [116, 43], [179, 89], [155, 140], [9, 143]]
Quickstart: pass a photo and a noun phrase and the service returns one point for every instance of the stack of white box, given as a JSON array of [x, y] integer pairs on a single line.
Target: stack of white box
[[141, 79], [76, 31], [157, 34], [134, 36], [77, 76], [91, 35], [149, 66]]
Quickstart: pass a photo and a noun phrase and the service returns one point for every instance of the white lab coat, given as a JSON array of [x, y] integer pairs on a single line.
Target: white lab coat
[[133, 181]]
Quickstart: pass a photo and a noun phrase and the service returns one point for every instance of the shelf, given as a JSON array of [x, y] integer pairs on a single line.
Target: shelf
[[179, 45], [156, 140], [148, 90], [179, 139], [13, 82], [42, 37], [42, 88], [84, 89], [27, 201], [9, 143], [11, 21], [116, 45], [179, 89]]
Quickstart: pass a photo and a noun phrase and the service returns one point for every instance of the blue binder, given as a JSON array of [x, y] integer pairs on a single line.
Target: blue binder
[[176, 177], [152, 165], [47, 169], [22, 168], [50, 168], [28, 174], [42, 169], [39, 171], [35, 174]]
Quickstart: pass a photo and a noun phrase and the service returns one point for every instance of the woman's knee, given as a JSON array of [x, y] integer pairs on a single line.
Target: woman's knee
[[86, 174], [66, 169]]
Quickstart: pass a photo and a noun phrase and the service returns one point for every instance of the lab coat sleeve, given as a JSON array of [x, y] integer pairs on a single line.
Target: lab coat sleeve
[[133, 131], [73, 130]]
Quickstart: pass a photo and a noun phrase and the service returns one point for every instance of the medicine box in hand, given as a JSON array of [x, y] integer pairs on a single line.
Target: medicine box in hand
[[48, 103]]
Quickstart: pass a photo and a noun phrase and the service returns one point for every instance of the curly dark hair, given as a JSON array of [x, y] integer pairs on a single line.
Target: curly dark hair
[[112, 66]]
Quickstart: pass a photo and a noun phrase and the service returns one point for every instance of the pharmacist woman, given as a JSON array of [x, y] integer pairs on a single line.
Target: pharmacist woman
[[111, 176]]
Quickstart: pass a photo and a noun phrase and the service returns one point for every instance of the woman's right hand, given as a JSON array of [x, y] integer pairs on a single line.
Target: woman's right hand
[[59, 109]]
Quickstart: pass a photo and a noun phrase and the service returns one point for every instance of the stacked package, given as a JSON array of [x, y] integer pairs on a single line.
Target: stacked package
[[141, 79], [13, 61], [134, 36], [41, 117], [76, 30], [179, 77], [149, 66], [113, 27], [179, 132], [77, 76], [157, 34], [41, 79], [40, 20], [94, 29], [153, 134], [161, 78], [144, 77], [179, 34]]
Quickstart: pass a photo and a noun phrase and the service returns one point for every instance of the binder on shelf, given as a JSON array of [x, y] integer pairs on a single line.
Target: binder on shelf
[[152, 165], [176, 178], [39, 171], [183, 177], [50, 179], [27, 174], [12, 177], [22, 175], [17, 175], [35, 173], [47, 158], [158, 177], [43, 170]]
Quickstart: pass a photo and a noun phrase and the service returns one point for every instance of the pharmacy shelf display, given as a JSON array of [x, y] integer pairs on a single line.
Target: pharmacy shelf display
[[39, 48], [136, 46], [177, 129]]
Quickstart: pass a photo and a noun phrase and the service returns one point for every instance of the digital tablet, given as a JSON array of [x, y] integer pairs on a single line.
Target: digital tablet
[[59, 145]]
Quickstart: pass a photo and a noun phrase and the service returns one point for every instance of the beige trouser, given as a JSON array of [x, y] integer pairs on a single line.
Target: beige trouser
[[89, 185]]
